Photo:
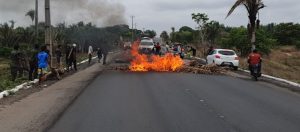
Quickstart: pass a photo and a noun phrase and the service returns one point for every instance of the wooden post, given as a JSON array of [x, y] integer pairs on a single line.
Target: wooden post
[[48, 38], [36, 22]]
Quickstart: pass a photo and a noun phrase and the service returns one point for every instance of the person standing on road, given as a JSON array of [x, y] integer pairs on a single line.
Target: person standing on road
[[72, 57], [105, 53], [33, 63], [90, 53], [99, 54], [210, 49], [254, 59], [43, 58], [157, 49], [58, 54], [194, 51], [68, 50]]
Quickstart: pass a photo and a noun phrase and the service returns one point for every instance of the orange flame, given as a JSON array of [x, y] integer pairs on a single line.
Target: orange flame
[[143, 63]]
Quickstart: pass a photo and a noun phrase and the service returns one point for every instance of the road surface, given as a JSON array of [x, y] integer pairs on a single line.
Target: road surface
[[179, 102]]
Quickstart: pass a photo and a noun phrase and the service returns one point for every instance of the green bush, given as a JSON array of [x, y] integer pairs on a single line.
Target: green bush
[[5, 51], [238, 39], [297, 44], [6, 84], [265, 42]]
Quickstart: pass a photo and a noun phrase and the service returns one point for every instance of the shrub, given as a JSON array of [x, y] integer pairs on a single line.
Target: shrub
[[5, 51]]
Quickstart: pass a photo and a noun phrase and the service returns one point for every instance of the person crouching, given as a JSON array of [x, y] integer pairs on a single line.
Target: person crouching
[[42, 64]]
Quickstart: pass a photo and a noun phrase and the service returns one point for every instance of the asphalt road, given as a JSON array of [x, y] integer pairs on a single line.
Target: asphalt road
[[178, 102]]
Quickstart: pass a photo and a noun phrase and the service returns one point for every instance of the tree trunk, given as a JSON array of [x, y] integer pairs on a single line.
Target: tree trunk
[[253, 39], [36, 22], [252, 19]]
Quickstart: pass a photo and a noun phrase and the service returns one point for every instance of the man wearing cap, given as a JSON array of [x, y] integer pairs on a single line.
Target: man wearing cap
[[72, 57]]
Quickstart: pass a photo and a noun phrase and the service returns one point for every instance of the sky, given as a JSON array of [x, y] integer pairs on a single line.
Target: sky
[[156, 15]]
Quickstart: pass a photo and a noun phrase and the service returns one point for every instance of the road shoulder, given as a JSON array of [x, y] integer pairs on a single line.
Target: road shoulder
[[39, 110]]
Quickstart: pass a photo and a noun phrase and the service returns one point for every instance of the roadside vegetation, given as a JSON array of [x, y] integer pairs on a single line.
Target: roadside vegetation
[[82, 34], [279, 43]]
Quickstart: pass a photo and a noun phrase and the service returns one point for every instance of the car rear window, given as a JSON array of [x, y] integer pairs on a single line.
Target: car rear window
[[226, 52]]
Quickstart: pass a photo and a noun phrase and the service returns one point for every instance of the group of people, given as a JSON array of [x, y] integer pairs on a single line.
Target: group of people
[[177, 49], [100, 53], [37, 61]]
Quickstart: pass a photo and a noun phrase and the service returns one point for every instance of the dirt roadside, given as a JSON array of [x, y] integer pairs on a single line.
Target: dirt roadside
[[37, 111]]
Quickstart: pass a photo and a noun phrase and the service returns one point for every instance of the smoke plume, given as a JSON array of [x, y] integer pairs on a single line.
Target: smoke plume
[[99, 12]]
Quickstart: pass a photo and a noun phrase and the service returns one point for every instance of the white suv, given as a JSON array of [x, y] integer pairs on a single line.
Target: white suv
[[223, 57], [146, 46]]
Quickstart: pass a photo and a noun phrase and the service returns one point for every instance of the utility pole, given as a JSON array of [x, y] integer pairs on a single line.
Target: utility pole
[[36, 21], [48, 38], [135, 29], [132, 17]]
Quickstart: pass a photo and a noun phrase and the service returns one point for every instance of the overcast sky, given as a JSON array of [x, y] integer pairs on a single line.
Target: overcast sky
[[149, 14]]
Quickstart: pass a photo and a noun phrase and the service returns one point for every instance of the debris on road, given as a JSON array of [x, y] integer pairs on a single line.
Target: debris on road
[[197, 68], [119, 68], [193, 67]]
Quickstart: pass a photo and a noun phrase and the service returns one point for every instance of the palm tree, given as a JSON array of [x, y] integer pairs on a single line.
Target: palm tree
[[253, 7], [31, 14]]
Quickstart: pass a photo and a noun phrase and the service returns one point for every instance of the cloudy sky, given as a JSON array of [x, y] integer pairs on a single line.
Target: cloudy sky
[[149, 14]]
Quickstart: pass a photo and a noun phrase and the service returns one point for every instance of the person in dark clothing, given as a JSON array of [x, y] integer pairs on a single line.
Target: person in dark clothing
[[105, 53], [194, 51], [15, 65], [68, 50], [72, 57], [58, 55], [99, 54], [211, 48], [33, 63], [157, 49]]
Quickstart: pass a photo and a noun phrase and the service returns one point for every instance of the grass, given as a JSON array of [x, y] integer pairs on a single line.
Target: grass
[[283, 62], [5, 77]]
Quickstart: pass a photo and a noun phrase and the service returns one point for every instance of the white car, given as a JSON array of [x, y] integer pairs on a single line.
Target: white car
[[146, 46], [223, 57]]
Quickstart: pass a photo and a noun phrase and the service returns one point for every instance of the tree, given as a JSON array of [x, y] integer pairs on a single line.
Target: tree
[[8, 37], [252, 7], [186, 28], [212, 31], [237, 39], [287, 33], [150, 33], [201, 19], [164, 35], [31, 14]]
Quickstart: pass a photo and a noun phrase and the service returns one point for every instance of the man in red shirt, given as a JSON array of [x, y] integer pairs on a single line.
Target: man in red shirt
[[254, 59]]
